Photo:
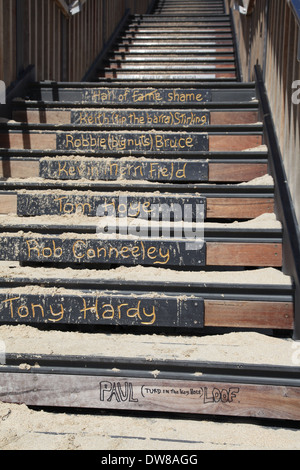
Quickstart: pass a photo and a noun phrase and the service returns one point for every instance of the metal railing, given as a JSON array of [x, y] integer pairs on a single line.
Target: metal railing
[[268, 41], [50, 35]]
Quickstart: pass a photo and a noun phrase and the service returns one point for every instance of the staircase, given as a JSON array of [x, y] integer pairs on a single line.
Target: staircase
[[142, 201]]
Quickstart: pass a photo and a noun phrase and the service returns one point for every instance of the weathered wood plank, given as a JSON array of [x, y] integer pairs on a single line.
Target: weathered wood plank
[[26, 140], [151, 394], [248, 254], [234, 172], [233, 143], [249, 314], [233, 117], [240, 208], [18, 168], [8, 204]]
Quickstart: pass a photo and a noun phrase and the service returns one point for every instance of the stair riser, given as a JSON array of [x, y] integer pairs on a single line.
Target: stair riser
[[171, 59], [134, 142], [153, 170], [149, 95], [206, 47], [103, 309], [161, 34], [144, 252], [146, 311], [141, 67], [239, 207], [136, 118], [178, 43], [168, 76]]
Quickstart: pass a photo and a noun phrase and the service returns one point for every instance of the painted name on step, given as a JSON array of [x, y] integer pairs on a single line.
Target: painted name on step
[[105, 309], [110, 170], [140, 118], [146, 95], [105, 205], [113, 251], [151, 141]]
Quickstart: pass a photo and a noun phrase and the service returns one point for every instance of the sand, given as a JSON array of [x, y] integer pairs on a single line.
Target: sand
[[22, 428], [237, 347]]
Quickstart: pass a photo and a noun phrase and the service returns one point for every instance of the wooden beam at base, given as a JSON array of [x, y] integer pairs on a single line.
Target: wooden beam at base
[[131, 393]]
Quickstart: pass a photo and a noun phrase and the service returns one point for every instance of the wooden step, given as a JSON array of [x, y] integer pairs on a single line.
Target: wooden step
[[167, 128], [191, 34], [161, 66], [110, 169], [207, 47], [132, 117], [159, 75], [179, 42], [246, 204], [145, 94], [172, 386], [132, 57], [151, 30], [250, 299], [136, 141], [122, 250], [169, 21]]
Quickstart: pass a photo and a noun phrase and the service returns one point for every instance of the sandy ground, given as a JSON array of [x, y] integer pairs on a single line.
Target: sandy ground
[[22, 428]]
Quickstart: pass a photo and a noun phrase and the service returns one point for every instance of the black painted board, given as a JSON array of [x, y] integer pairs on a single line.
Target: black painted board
[[123, 95], [160, 207], [140, 118], [180, 171], [103, 309], [71, 250], [134, 141]]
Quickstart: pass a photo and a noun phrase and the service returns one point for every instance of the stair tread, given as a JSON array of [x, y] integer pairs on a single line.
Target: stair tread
[[11, 271], [264, 223]]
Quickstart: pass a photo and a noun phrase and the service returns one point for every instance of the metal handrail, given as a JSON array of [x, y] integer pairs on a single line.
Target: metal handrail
[[72, 9], [295, 6], [63, 6]]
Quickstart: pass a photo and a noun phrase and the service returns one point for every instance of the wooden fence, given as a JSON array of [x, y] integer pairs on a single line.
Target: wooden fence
[[61, 48], [269, 36]]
